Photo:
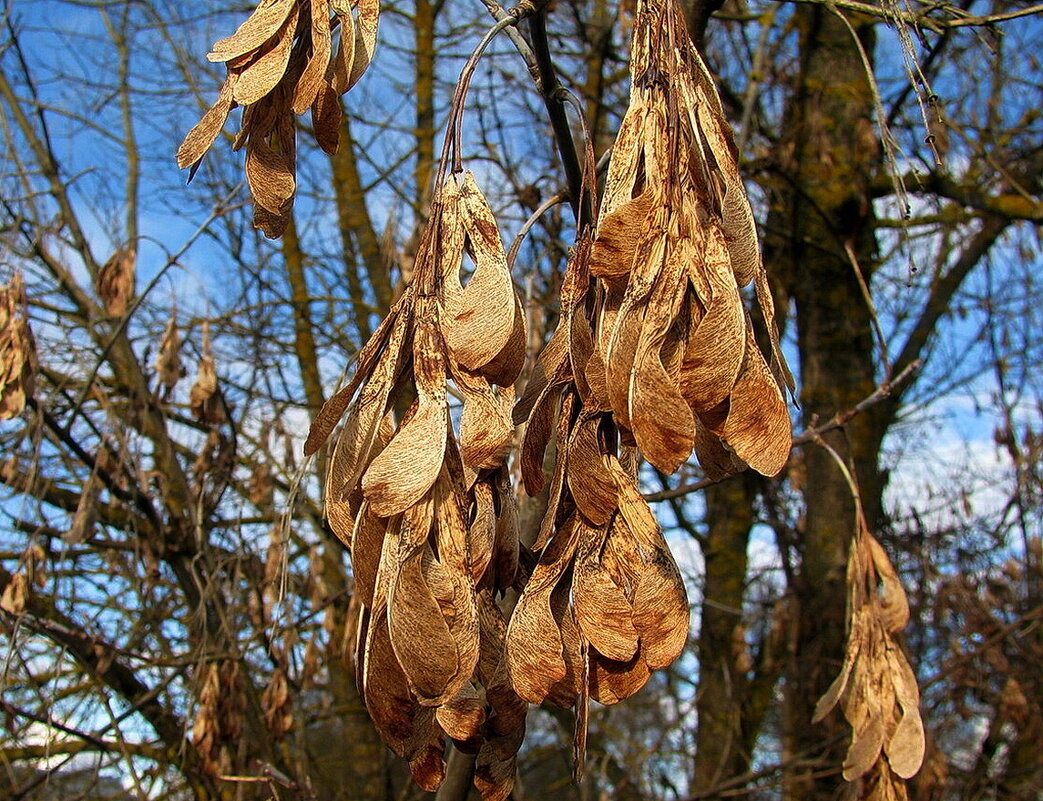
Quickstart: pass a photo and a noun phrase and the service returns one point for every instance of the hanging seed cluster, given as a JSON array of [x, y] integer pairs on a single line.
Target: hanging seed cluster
[[654, 349], [17, 350], [654, 355], [281, 63], [675, 244], [606, 604], [425, 505], [876, 687]]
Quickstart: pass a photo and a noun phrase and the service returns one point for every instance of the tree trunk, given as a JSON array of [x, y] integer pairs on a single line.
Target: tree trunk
[[720, 752], [820, 223]]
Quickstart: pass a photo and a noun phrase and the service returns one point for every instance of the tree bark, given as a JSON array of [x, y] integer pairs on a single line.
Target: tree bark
[[719, 750], [822, 219]]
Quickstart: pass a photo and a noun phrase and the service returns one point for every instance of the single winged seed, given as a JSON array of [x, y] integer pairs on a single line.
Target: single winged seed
[[265, 70], [506, 546], [314, 73], [624, 163], [836, 690], [894, 604], [385, 344], [481, 533], [428, 767], [273, 224], [739, 227], [344, 58], [758, 427], [409, 465], [534, 443], [365, 38], [258, 28], [326, 116], [270, 175], [714, 353], [337, 508], [661, 420], [494, 775], [116, 280], [779, 367], [420, 636], [619, 235], [619, 365], [462, 716], [534, 647], [367, 543], [486, 428], [402, 723], [508, 363], [463, 617], [453, 537], [534, 653], [581, 349], [661, 613], [204, 398], [202, 136], [356, 447], [603, 612], [482, 322], [865, 748], [905, 749], [717, 461], [549, 372], [612, 681], [169, 369], [589, 480], [567, 691]]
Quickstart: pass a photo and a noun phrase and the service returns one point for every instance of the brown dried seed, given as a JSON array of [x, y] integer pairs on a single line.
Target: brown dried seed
[[384, 346], [604, 613], [367, 542], [758, 427], [344, 58], [534, 644], [661, 420], [116, 280], [714, 353], [486, 428], [326, 116], [169, 369], [420, 635], [260, 26], [314, 73], [611, 681], [365, 38], [270, 175], [202, 136], [267, 66], [619, 235], [402, 723], [17, 350], [589, 480], [481, 320], [409, 465]]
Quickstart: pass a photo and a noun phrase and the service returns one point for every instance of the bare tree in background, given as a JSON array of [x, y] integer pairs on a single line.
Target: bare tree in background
[[177, 612]]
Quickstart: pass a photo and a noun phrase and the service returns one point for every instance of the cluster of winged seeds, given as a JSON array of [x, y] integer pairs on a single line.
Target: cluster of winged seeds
[[876, 687], [675, 244], [606, 604], [654, 348], [17, 350], [281, 62], [426, 509]]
